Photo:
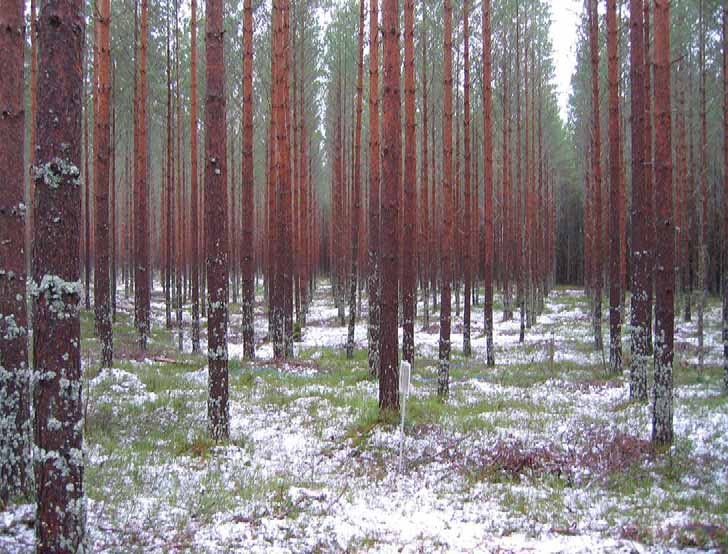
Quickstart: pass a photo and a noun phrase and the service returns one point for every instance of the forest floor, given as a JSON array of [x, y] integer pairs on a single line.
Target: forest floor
[[543, 453]]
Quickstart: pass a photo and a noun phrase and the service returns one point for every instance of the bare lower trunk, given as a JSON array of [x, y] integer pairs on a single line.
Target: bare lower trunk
[[443, 380], [373, 283], [15, 422], [56, 286], [662, 415], [488, 186], [216, 224], [391, 162]]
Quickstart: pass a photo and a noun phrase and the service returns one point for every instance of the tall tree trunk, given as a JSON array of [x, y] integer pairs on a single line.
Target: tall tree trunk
[[702, 196], [725, 197], [287, 250], [467, 248], [409, 206], [649, 236], [247, 252], [615, 181], [488, 185], [87, 189], [179, 196], [33, 115], [216, 222], [443, 380], [102, 154], [56, 287], [507, 197], [391, 163], [662, 428], [168, 188], [356, 187], [426, 245], [194, 192], [15, 422], [596, 143], [304, 215], [283, 280], [374, 281], [142, 274], [112, 207], [642, 216]]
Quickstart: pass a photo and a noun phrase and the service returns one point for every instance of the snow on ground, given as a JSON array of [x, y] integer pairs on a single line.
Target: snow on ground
[[542, 453]]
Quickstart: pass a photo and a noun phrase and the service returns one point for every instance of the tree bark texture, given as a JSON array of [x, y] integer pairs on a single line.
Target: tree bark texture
[[216, 223], [56, 286], [15, 423], [391, 163]]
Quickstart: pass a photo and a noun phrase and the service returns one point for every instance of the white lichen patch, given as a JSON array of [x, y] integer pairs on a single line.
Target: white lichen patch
[[57, 172]]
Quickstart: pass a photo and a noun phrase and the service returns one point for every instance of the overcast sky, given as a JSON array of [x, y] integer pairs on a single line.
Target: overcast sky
[[565, 14]]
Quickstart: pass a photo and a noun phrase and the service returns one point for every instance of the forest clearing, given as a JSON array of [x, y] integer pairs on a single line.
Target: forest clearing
[[363, 276]]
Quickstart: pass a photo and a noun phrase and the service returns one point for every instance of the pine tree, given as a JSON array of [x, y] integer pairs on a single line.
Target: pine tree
[[247, 242], [642, 216], [409, 205], [615, 182], [374, 270], [425, 239], [356, 188], [725, 196], [702, 193], [662, 415], [596, 153], [467, 224], [194, 192], [56, 286], [443, 382], [216, 222], [15, 422], [488, 253], [142, 274], [391, 162]]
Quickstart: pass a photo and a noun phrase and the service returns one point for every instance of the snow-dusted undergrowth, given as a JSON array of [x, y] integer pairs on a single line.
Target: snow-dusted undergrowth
[[543, 453]]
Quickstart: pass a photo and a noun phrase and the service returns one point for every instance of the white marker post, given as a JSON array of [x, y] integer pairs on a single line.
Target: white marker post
[[404, 388]]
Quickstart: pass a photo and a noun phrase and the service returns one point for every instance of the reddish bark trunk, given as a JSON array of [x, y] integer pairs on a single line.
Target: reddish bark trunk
[[443, 383], [167, 192], [615, 158], [507, 241], [391, 163], [488, 184], [425, 239], [356, 187], [179, 196], [15, 422], [142, 276], [649, 235], [56, 288], [702, 195], [596, 142], [87, 192], [102, 153], [725, 196], [247, 257], [374, 201], [216, 223], [409, 205], [33, 112], [642, 216], [467, 226], [194, 189], [662, 428]]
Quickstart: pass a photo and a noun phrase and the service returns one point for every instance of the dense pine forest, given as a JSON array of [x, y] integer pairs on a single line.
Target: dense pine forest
[[360, 276]]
